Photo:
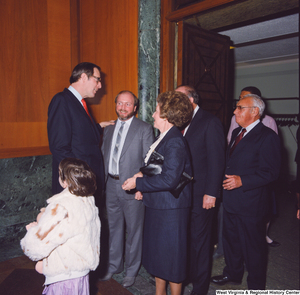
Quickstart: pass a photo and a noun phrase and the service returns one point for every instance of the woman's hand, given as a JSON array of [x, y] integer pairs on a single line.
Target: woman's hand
[[138, 196], [139, 174], [130, 183]]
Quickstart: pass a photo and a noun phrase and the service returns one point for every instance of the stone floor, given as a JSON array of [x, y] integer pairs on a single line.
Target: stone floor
[[283, 261]]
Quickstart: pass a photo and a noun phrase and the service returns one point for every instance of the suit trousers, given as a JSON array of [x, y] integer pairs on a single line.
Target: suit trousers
[[244, 240], [123, 213], [200, 254]]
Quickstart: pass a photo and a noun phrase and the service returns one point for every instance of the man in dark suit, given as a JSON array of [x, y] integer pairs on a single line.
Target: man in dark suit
[[124, 148], [72, 131], [206, 141], [252, 163]]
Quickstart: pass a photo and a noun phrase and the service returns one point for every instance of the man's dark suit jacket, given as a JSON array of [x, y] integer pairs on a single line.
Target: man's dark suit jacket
[[71, 133], [256, 159], [206, 141]]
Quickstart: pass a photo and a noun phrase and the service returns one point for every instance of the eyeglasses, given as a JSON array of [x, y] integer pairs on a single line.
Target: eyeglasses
[[127, 104], [98, 79], [241, 107]]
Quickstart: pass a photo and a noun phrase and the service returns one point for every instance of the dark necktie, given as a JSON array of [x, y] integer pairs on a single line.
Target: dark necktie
[[86, 109], [237, 140]]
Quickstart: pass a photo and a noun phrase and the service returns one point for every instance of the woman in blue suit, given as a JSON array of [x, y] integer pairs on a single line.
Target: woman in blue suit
[[166, 217]]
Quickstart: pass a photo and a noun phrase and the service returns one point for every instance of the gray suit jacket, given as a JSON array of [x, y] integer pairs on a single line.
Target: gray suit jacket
[[138, 140]]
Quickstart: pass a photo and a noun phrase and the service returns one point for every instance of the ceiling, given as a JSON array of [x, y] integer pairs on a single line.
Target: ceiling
[[275, 39], [261, 30]]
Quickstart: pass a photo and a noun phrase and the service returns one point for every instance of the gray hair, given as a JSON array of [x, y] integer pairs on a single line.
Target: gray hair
[[257, 102]]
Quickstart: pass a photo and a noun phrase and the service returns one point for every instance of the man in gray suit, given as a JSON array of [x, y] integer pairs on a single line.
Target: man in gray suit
[[124, 148]]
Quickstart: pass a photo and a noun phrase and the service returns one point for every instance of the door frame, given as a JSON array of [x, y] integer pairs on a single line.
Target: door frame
[[169, 18]]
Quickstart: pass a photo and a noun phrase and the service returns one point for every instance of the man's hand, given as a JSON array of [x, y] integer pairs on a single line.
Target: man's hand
[[138, 196], [107, 123], [209, 202], [232, 182]]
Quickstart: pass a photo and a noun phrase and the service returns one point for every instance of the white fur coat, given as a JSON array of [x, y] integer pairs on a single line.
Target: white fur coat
[[67, 236]]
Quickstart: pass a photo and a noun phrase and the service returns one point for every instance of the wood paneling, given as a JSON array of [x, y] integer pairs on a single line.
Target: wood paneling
[[193, 9], [41, 43], [109, 38], [167, 48], [35, 64]]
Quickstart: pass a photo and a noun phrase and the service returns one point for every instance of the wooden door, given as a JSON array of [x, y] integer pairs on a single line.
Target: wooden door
[[203, 62]]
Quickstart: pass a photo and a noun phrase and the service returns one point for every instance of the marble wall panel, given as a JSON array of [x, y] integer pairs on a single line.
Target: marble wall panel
[[149, 51], [25, 185]]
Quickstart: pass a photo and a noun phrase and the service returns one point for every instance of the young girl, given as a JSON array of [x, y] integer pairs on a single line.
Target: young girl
[[67, 236]]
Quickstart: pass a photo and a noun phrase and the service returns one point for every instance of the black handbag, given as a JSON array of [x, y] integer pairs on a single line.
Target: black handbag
[[154, 167]]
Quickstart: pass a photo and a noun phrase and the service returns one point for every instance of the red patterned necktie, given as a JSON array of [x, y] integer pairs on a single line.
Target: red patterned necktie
[[182, 131], [86, 109], [237, 140]]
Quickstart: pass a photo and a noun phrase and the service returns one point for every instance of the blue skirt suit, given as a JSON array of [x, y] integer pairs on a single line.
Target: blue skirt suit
[[166, 218]]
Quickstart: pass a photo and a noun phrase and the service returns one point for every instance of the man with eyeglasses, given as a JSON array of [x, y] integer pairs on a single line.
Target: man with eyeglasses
[[72, 131], [266, 120], [269, 122], [252, 163], [124, 148]]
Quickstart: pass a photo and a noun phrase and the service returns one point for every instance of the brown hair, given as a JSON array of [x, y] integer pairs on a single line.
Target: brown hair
[[78, 175], [176, 107], [84, 67], [136, 100]]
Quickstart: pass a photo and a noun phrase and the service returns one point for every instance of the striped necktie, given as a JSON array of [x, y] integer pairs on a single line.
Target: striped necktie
[[114, 165], [237, 140]]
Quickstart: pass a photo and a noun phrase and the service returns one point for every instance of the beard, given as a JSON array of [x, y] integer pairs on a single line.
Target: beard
[[125, 116]]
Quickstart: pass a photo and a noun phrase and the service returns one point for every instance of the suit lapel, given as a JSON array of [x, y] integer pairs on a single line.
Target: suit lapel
[[77, 103], [245, 140], [194, 123], [81, 110], [170, 134], [108, 140], [132, 131]]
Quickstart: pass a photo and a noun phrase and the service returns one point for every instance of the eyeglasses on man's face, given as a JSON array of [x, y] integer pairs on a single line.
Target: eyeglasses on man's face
[[98, 79], [240, 108]]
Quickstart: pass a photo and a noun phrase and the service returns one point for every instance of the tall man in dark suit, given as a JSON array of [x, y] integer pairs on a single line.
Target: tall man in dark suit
[[72, 131], [206, 141], [124, 148], [252, 163]]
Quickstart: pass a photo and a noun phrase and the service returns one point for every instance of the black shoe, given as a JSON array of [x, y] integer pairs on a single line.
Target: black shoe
[[274, 244], [194, 293], [222, 280]]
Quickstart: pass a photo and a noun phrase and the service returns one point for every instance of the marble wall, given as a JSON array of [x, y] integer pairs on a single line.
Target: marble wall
[[25, 185], [149, 53]]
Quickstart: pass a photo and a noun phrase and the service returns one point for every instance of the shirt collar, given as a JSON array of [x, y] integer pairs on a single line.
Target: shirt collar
[[195, 110], [251, 126], [126, 122], [76, 93]]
